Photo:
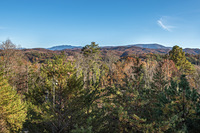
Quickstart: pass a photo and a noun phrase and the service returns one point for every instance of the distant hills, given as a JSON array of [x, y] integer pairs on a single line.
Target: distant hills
[[152, 46], [62, 47], [130, 49]]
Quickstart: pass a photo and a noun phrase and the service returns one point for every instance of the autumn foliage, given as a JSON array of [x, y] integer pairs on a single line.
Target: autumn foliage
[[98, 90]]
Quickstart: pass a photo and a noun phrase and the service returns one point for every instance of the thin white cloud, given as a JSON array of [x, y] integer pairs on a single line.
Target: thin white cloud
[[163, 25]]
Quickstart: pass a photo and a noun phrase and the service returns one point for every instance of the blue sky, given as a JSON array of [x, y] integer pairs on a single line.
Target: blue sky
[[46, 23]]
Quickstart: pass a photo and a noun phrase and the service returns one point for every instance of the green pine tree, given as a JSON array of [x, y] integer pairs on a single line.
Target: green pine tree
[[177, 108], [159, 79], [88, 50], [178, 56], [12, 108], [63, 104]]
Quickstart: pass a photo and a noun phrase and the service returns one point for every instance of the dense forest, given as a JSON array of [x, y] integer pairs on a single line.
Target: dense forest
[[90, 90]]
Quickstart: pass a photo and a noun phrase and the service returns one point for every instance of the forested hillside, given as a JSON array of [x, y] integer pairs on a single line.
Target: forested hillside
[[93, 90]]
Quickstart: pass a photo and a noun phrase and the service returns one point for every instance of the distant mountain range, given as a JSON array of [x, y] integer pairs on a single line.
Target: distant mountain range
[[130, 49], [151, 46], [62, 47]]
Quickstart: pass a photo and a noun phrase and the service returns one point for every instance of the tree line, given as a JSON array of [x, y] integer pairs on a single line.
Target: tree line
[[96, 93]]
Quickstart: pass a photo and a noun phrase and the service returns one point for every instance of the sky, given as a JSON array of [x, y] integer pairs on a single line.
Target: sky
[[47, 23]]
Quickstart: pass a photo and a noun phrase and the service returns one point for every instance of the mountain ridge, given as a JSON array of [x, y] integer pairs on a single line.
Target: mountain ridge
[[130, 49], [151, 46], [62, 47]]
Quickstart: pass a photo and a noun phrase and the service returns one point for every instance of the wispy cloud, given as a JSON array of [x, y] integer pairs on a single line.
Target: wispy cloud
[[162, 23]]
